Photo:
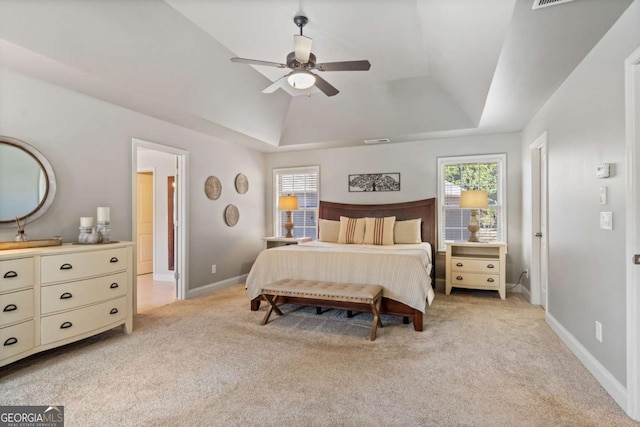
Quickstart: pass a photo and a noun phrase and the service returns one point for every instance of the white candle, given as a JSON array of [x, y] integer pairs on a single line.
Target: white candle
[[103, 214], [86, 221]]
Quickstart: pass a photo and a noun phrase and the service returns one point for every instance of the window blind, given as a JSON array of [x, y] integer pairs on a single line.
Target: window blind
[[302, 183]]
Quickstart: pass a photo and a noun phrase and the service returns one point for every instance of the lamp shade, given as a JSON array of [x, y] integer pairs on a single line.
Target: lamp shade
[[301, 79], [288, 203], [474, 199]]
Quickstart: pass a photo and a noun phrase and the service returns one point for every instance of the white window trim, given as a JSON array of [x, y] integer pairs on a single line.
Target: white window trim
[[501, 159], [274, 191]]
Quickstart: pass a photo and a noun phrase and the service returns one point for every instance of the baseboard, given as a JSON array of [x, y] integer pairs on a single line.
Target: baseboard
[[526, 293], [515, 289], [617, 391], [164, 277], [212, 287]]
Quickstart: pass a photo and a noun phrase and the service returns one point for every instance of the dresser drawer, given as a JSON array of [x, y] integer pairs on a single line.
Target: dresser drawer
[[477, 280], [476, 265], [65, 267], [16, 339], [66, 296], [16, 306], [16, 274], [69, 324]]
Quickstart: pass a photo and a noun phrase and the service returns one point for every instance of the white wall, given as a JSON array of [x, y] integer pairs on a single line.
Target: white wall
[[417, 165], [585, 121], [88, 143]]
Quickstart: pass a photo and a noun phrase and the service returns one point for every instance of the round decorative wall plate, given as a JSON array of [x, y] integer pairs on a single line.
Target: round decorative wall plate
[[242, 183], [212, 188], [231, 215]]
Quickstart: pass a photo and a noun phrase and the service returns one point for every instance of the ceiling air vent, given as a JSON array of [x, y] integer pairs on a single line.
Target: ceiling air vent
[[538, 4], [377, 141]]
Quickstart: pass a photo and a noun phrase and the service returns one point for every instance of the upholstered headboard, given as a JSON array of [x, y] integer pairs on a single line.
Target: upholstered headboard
[[423, 209]]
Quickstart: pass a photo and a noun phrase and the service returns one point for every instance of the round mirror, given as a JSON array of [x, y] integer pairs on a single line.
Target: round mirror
[[27, 182]]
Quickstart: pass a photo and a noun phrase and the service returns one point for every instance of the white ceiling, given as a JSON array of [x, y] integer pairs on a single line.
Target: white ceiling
[[438, 67]]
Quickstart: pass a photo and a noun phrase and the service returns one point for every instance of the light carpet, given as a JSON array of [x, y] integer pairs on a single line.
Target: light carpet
[[208, 362]]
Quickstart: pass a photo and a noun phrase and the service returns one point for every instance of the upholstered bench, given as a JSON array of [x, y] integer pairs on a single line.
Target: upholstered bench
[[347, 296]]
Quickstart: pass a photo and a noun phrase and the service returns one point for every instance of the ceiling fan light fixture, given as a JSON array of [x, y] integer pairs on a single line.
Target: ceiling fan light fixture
[[301, 79]]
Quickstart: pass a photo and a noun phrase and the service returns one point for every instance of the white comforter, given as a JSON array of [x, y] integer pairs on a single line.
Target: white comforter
[[402, 270]]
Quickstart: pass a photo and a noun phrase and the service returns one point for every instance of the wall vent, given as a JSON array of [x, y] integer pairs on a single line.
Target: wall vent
[[377, 141], [539, 4]]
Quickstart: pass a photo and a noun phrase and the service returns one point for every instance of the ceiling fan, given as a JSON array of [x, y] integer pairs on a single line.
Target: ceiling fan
[[301, 61]]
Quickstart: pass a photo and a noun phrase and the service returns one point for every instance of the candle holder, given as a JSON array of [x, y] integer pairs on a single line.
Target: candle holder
[[105, 231], [85, 233]]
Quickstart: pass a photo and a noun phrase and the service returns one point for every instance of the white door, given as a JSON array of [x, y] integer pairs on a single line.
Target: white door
[[539, 278], [632, 83]]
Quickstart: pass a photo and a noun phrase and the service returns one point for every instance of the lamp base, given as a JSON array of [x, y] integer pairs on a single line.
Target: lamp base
[[473, 226], [288, 225]]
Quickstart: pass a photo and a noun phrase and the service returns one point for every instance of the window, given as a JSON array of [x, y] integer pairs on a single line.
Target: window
[[303, 183], [482, 172]]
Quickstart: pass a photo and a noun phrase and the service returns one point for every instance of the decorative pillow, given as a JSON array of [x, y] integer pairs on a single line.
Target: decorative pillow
[[328, 230], [407, 231], [379, 231], [351, 230]]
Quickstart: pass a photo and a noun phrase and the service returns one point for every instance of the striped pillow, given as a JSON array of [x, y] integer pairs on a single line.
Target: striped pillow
[[351, 230], [379, 231]]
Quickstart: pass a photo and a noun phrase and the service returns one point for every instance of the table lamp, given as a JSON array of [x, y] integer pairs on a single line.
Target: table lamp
[[288, 203], [474, 200]]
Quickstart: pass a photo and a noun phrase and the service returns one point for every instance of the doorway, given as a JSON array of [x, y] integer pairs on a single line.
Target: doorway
[[159, 200], [539, 223]]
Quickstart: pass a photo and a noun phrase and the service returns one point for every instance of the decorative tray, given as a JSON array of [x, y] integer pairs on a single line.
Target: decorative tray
[[30, 244]]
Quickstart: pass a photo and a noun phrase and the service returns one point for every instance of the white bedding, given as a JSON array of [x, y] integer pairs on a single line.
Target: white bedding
[[402, 270]]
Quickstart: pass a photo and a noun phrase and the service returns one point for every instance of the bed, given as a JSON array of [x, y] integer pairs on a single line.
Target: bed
[[405, 271]]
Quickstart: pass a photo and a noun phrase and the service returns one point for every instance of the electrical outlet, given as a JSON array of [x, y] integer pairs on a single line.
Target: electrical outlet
[[213, 269], [598, 331], [526, 272]]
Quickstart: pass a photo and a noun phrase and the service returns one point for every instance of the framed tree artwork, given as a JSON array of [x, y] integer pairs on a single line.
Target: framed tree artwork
[[374, 182]]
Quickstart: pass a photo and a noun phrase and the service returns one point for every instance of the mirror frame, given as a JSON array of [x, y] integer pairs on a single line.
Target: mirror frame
[[44, 164]]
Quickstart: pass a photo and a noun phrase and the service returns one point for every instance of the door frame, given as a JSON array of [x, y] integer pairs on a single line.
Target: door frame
[[182, 248], [538, 193], [632, 151]]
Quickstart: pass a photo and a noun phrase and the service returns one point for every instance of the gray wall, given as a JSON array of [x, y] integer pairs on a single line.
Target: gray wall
[[88, 143], [585, 119], [416, 162]]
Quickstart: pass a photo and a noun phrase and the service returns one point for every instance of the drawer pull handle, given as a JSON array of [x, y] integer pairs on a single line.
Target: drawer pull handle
[[113, 311], [459, 264], [10, 307], [490, 280], [10, 274], [113, 259], [459, 278], [66, 325], [11, 341], [490, 266], [113, 285], [66, 295], [66, 267]]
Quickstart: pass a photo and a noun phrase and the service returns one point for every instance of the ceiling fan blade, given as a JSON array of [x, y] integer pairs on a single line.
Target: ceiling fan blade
[[257, 62], [275, 85], [325, 87], [344, 66], [302, 48]]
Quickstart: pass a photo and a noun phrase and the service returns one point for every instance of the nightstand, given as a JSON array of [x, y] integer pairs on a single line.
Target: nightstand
[[274, 242], [472, 265]]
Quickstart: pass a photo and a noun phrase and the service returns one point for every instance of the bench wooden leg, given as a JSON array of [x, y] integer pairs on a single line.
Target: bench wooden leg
[[375, 306], [271, 308], [349, 314]]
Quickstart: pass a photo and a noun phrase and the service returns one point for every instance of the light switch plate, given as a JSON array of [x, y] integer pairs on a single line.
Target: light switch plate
[[603, 196], [606, 220]]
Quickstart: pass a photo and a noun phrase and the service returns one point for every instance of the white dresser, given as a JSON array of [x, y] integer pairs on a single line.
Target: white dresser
[[56, 295]]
